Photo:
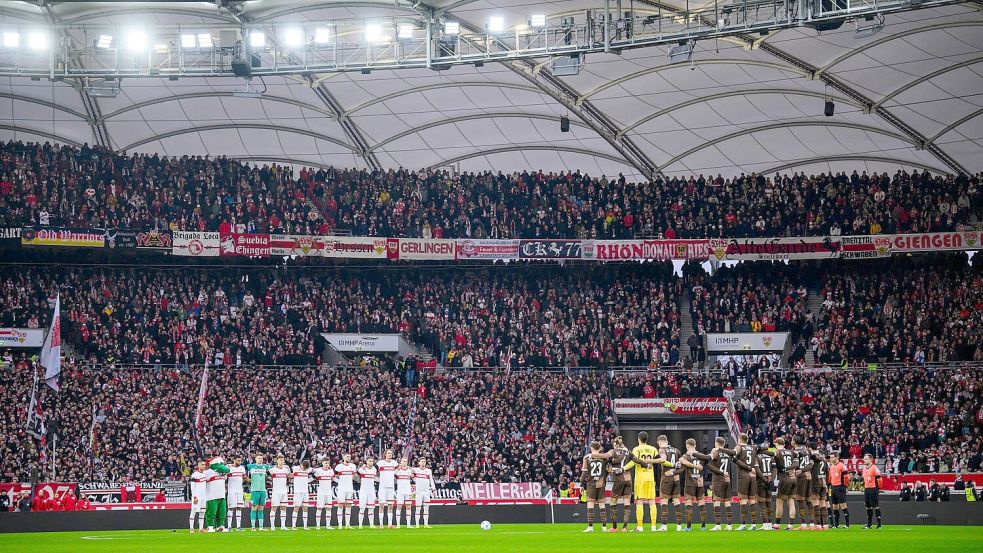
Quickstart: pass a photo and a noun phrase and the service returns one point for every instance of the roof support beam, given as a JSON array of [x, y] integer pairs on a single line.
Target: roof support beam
[[526, 148], [922, 79], [332, 5], [859, 50], [44, 103], [566, 96], [730, 93], [100, 133], [783, 125], [191, 95], [237, 126], [144, 10], [437, 86], [351, 129], [52, 136], [955, 124], [661, 68], [853, 157], [473, 117]]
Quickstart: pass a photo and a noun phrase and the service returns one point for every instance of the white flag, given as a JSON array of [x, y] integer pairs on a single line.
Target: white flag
[[202, 391], [51, 350]]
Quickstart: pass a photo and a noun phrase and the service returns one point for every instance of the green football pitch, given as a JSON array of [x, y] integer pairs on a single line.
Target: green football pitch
[[505, 538]]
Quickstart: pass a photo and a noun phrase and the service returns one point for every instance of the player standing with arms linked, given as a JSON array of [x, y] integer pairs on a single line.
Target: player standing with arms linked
[[404, 492], [302, 493], [764, 471], [278, 499], [256, 474], [324, 475], [387, 487], [803, 482], [621, 465], [199, 496], [425, 486], [785, 461], [366, 491], [670, 487], [819, 493], [719, 464], [838, 481], [745, 459], [593, 476], [344, 475], [872, 487], [235, 499]]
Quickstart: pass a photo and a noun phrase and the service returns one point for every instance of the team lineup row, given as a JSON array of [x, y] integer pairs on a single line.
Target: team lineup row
[[400, 489], [812, 486]]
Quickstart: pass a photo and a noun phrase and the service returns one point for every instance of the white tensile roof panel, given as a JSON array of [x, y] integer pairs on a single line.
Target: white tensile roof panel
[[736, 109]]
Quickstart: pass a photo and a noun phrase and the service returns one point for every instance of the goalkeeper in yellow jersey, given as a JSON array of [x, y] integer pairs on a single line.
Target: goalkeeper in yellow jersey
[[642, 459]]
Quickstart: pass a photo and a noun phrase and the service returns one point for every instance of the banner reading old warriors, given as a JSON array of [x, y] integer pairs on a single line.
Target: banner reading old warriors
[[195, 244], [550, 249], [818, 247], [487, 249], [65, 237]]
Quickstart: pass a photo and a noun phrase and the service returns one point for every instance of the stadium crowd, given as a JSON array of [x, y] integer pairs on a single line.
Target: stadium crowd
[[916, 419], [49, 184], [538, 317], [923, 309]]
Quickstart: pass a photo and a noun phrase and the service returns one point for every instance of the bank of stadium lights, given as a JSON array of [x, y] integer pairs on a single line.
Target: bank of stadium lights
[[496, 24], [293, 38], [322, 35], [136, 40], [538, 20], [201, 40], [104, 41], [452, 28], [374, 34], [405, 30], [257, 39]]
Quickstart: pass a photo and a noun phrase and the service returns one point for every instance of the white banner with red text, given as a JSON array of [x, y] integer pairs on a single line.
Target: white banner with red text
[[195, 244], [21, 337]]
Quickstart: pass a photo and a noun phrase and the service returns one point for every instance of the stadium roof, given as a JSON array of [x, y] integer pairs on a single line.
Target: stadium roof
[[910, 95]]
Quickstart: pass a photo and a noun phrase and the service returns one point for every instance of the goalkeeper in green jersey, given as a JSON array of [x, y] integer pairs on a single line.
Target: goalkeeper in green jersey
[[256, 476]]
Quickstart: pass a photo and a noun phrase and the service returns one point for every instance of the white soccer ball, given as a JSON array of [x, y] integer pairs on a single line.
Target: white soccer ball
[[485, 525]]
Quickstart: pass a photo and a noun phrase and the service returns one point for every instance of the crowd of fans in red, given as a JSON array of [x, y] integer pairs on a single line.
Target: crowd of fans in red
[[47, 184]]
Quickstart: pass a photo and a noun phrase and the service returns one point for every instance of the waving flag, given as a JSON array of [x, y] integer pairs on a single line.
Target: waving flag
[[51, 350]]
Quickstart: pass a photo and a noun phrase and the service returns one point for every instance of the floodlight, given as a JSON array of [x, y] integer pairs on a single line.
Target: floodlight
[[105, 41], [496, 24], [538, 20], [452, 28], [188, 41], [373, 33], [322, 35], [293, 37], [11, 40], [405, 30], [257, 39], [205, 40], [136, 40]]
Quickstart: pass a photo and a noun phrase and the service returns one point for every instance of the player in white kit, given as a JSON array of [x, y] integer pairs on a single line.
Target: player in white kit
[[324, 476], [199, 496], [235, 498], [366, 491], [278, 499], [425, 486], [302, 494], [343, 475], [404, 491], [387, 487]]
